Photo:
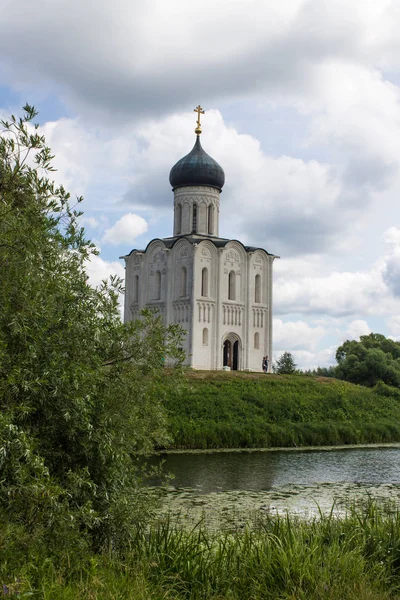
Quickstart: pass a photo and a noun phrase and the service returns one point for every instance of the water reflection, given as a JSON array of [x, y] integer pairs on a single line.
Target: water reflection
[[262, 471]]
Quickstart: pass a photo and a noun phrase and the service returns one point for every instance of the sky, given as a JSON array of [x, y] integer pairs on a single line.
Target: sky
[[302, 111]]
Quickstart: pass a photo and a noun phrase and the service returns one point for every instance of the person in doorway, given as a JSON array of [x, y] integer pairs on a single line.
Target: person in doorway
[[265, 364]]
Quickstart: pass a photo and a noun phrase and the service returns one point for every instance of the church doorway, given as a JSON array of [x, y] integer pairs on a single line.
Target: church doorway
[[227, 354], [235, 357], [231, 352]]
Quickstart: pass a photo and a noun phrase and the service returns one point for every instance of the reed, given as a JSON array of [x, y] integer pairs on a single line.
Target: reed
[[283, 557]]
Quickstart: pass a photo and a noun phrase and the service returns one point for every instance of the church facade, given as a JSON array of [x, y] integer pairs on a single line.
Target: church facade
[[217, 289]]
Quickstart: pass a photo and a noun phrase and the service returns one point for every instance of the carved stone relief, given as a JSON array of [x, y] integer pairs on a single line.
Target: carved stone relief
[[159, 256], [232, 258]]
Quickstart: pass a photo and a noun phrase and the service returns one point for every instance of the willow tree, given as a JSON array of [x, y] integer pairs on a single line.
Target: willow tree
[[80, 392]]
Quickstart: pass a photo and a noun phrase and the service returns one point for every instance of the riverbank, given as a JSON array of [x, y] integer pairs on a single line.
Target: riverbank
[[355, 558], [216, 410], [276, 449]]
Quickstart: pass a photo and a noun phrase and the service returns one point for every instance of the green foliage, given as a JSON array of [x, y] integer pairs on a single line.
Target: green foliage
[[285, 364], [80, 392], [372, 359], [227, 410], [354, 558]]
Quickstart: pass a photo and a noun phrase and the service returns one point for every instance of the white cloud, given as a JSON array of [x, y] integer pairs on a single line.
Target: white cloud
[[285, 206], [74, 147], [89, 221], [337, 294], [99, 269], [125, 230], [359, 117], [393, 324], [293, 335], [124, 59], [391, 273], [275, 202], [372, 292], [282, 203], [319, 190], [306, 360], [392, 236], [355, 329]]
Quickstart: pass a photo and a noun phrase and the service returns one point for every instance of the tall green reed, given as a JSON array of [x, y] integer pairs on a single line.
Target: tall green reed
[[281, 557]]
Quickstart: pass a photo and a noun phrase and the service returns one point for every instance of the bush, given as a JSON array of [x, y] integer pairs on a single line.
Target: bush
[[80, 392]]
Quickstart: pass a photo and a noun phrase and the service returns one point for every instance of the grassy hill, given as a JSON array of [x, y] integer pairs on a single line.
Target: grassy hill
[[251, 410]]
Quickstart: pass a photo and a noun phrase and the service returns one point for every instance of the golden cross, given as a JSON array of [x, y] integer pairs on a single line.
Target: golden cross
[[199, 111]]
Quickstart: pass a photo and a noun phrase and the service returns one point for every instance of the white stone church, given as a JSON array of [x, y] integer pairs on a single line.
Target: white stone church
[[217, 289]]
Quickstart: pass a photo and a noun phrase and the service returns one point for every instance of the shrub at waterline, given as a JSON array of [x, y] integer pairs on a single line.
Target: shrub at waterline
[[79, 390], [248, 410]]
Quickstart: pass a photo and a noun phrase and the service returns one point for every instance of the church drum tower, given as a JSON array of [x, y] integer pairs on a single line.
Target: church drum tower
[[217, 289]]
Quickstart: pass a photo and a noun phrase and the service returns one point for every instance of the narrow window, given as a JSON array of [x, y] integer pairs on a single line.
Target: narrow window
[[205, 336], [136, 289], [157, 294], [183, 281], [256, 340], [257, 289], [211, 219], [204, 282], [194, 225], [232, 286], [178, 219]]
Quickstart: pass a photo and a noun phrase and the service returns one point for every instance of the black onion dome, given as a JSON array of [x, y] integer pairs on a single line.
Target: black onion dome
[[197, 168]]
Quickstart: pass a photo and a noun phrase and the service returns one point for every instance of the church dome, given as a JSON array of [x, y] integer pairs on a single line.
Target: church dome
[[197, 168]]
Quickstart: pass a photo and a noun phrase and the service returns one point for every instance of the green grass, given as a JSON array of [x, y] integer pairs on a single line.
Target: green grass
[[355, 558], [279, 558], [247, 410]]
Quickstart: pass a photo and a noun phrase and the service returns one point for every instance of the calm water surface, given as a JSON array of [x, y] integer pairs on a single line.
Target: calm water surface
[[227, 489], [263, 471]]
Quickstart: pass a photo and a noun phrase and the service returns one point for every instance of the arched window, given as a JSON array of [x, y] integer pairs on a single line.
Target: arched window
[[194, 222], [178, 219], [232, 286], [204, 282], [157, 288], [183, 281], [257, 288], [136, 289], [256, 340], [205, 336], [211, 219]]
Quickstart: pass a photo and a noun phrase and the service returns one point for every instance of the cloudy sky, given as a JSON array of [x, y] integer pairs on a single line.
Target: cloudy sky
[[302, 112]]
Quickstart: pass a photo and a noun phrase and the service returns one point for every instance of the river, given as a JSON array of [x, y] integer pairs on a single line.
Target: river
[[229, 485]]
